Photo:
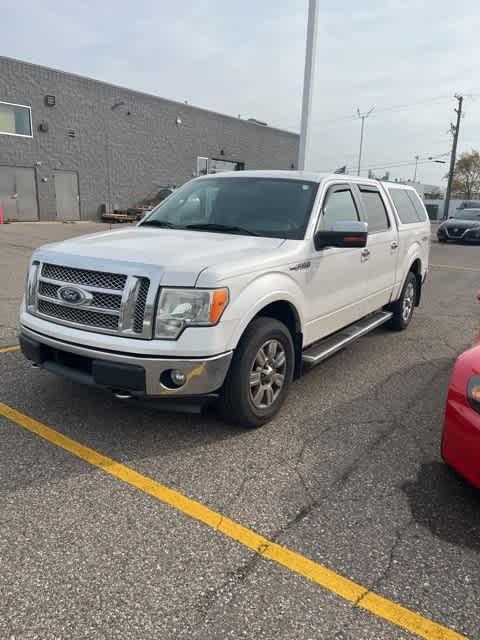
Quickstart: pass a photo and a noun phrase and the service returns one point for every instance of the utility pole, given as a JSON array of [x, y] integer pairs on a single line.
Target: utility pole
[[310, 59], [417, 158], [455, 129], [363, 117]]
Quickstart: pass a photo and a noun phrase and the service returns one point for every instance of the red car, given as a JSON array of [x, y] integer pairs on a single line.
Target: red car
[[461, 428]]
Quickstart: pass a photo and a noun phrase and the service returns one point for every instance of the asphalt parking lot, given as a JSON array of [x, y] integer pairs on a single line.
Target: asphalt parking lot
[[349, 477]]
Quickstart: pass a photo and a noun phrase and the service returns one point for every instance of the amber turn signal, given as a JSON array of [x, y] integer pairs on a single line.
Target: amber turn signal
[[218, 304]]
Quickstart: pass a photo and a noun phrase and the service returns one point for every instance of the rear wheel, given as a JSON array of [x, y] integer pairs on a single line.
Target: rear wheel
[[260, 374], [403, 308]]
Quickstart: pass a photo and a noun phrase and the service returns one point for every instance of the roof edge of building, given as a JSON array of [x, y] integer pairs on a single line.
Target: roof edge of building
[[183, 105]]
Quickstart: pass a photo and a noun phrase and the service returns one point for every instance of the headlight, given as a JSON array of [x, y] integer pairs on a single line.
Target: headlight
[[473, 392], [31, 288], [181, 308]]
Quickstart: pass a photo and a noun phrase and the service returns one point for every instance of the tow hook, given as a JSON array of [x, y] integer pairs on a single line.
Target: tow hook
[[122, 395]]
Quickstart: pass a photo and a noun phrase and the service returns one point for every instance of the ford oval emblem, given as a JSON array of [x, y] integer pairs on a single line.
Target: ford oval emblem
[[72, 295]]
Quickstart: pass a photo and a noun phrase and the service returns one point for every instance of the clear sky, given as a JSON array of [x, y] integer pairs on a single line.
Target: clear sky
[[247, 58]]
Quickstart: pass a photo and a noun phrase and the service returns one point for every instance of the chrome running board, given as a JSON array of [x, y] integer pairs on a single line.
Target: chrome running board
[[331, 344]]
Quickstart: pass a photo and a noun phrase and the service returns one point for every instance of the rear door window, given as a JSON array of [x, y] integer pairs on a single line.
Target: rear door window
[[404, 204], [377, 216]]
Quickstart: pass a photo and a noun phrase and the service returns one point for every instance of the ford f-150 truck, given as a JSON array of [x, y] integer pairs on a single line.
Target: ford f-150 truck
[[229, 288]]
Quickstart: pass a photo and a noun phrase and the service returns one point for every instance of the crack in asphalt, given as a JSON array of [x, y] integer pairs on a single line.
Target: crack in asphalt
[[239, 574], [399, 534]]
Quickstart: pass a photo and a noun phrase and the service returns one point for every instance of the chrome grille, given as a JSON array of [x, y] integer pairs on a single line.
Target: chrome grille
[[455, 232], [111, 302], [78, 316], [47, 289], [107, 300], [103, 300], [140, 308], [83, 276]]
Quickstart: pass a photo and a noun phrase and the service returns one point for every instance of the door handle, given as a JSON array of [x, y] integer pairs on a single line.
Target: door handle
[[394, 245]]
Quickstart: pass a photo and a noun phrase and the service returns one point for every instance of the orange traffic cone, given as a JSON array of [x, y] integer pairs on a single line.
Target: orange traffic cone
[[2, 217]]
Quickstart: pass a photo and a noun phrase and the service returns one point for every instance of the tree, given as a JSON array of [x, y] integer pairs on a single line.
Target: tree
[[466, 176]]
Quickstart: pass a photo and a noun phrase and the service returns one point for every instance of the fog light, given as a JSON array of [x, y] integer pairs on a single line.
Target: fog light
[[173, 378], [178, 377]]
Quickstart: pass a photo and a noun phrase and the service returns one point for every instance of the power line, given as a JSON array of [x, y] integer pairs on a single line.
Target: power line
[[400, 166], [407, 163], [391, 108]]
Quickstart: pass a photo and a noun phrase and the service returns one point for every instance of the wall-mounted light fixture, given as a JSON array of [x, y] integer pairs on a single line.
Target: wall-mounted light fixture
[[43, 126], [178, 121], [222, 152]]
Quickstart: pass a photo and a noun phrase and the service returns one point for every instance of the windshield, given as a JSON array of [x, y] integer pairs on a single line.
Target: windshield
[[270, 207], [468, 215]]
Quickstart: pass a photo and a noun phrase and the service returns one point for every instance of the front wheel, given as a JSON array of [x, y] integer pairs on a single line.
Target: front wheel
[[260, 374], [403, 308]]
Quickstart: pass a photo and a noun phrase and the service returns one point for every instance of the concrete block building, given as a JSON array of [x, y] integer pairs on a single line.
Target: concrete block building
[[71, 147]]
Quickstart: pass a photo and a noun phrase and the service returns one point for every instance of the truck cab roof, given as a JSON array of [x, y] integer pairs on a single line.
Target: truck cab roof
[[311, 176]]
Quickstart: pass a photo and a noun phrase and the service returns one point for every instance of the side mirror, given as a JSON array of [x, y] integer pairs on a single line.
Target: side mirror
[[343, 234]]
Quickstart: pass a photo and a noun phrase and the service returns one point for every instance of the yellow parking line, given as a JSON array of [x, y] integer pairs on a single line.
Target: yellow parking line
[[452, 266], [347, 589], [14, 347]]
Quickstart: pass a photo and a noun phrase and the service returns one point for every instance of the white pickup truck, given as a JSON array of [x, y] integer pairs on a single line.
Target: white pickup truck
[[228, 288]]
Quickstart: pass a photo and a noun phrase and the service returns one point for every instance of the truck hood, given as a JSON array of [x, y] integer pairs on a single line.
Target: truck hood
[[177, 256]]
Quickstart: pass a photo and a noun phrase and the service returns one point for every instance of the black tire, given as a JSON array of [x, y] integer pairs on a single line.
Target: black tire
[[236, 402], [399, 320], [441, 239]]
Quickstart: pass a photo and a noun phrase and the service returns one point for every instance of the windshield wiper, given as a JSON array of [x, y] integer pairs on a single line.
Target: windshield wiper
[[158, 223], [222, 228]]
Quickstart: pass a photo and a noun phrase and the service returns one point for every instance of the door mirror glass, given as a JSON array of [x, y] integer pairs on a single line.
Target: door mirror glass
[[343, 234]]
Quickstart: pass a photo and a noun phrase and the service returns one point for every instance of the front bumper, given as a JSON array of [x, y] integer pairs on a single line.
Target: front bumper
[[139, 375], [469, 235], [461, 438]]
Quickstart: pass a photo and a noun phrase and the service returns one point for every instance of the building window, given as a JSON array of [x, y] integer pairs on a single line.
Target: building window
[[15, 120]]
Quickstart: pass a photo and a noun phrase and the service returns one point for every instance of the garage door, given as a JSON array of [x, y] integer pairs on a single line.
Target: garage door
[[18, 193], [66, 195]]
